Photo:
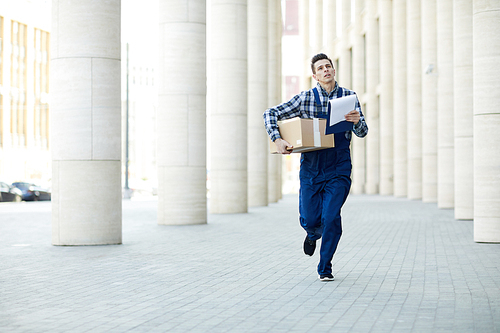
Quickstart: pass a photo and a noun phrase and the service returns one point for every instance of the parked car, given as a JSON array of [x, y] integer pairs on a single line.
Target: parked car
[[32, 192], [10, 193]]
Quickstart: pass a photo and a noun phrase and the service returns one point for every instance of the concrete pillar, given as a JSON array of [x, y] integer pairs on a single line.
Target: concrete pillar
[[486, 78], [429, 101], [372, 99], [358, 146], [258, 141], [446, 170], [86, 123], [463, 109], [331, 28], [228, 95], [400, 141], [346, 16], [414, 98], [181, 118], [343, 72], [318, 31], [386, 99], [305, 82], [274, 92], [343, 46]]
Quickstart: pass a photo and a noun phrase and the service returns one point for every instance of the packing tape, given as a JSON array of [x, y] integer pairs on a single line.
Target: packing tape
[[317, 134]]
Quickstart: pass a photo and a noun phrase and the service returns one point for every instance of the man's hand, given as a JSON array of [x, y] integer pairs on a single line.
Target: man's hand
[[353, 117], [282, 145]]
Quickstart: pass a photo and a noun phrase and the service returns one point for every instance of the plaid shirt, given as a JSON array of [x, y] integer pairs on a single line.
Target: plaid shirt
[[303, 105]]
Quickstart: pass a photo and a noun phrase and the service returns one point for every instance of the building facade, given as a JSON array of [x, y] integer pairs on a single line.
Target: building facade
[[24, 92]]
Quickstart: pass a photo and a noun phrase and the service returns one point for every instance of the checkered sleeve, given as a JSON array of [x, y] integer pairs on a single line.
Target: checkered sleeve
[[282, 111], [361, 128]]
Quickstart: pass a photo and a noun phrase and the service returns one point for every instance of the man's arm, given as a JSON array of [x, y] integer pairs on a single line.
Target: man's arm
[[283, 111], [360, 127]]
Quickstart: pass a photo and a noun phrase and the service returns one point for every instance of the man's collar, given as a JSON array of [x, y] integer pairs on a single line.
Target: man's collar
[[323, 91]]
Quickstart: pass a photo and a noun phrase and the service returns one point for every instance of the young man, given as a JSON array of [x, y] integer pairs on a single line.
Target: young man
[[324, 174]]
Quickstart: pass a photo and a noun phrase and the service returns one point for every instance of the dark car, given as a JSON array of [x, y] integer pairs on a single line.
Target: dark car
[[32, 192], [10, 193]]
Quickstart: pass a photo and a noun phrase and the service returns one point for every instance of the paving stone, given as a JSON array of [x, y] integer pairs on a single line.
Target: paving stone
[[401, 266]]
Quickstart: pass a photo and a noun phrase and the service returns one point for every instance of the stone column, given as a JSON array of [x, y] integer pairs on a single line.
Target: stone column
[[429, 101], [414, 98], [343, 73], [181, 118], [372, 102], [486, 78], [346, 16], [446, 169], [358, 150], [331, 28], [228, 108], [86, 123], [318, 31], [400, 142], [305, 82], [258, 141], [463, 105], [386, 99], [274, 92]]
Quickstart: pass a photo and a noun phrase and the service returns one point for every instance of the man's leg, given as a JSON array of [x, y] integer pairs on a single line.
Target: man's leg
[[310, 203], [335, 194]]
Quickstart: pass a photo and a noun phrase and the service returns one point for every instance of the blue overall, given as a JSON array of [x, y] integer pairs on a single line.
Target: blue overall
[[324, 185]]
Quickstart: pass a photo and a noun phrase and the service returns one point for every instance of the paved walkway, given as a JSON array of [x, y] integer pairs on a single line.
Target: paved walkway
[[401, 266]]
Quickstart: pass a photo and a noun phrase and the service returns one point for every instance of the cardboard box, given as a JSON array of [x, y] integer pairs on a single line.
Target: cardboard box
[[304, 134]]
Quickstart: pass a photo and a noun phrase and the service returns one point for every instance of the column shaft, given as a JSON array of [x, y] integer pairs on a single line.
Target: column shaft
[[386, 99], [414, 98], [346, 15], [463, 109], [258, 141], [400, 103], [305, 82], [358, 146], [318, 22], [331, 28], [486, 78], [181, 119], [86, 123], [429, 101], [274, 91], [228, 108], [372, 99], [446, 170]]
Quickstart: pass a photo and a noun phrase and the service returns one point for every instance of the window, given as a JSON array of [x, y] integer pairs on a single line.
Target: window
[[18, 78], [41, 86]]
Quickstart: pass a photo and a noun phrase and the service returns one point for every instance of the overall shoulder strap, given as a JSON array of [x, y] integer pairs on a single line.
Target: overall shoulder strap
[[316, 97], [339, 92]]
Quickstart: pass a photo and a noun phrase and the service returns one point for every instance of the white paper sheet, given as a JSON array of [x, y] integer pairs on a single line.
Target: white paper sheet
[[340, 107]]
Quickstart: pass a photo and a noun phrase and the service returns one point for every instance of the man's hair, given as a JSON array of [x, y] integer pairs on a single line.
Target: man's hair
[[319, 56]]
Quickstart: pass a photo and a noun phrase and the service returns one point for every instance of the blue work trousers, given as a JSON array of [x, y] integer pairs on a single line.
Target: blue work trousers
[[324, 185]]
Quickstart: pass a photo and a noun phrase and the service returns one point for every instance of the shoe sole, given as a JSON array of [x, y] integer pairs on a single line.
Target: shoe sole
[[326, 279]]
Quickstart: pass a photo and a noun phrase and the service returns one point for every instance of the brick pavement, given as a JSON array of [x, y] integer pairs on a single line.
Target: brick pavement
[[401, 266]]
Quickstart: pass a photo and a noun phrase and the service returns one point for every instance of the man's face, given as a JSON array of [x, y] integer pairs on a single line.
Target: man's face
[[325, 73]]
